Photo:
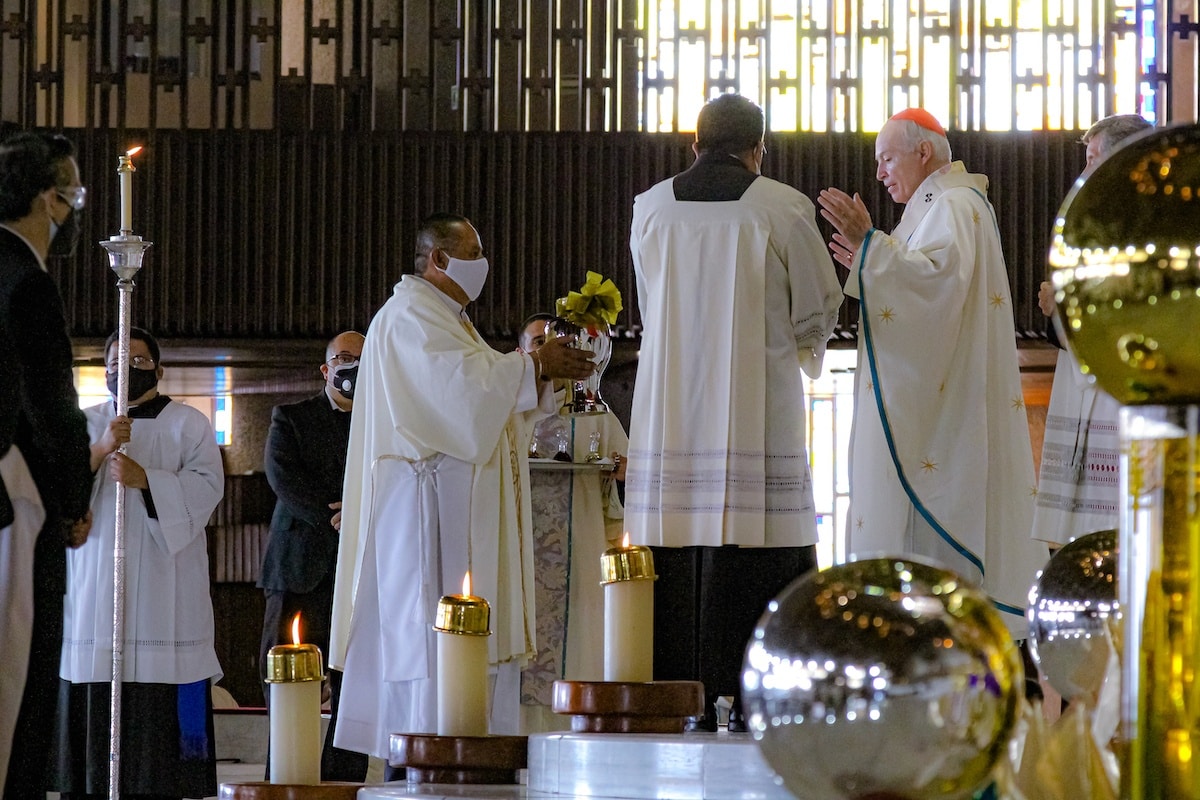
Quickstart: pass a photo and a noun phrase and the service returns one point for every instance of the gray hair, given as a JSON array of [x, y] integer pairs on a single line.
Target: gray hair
[[1112, 130], [437, 230], [914, 134]]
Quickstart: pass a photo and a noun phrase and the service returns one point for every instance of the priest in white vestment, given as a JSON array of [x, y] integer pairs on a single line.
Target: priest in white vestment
[[173, 478], [436, 484], [940, 460], [568, 555], [738, 296], [1079, 478]]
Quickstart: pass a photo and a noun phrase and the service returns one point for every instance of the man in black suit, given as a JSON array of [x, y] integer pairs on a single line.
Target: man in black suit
[[40, 425], [305, 461]]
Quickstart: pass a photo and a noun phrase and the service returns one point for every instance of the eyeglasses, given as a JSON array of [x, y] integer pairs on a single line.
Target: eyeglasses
[[74, 196], [138, 362], [343, 360]]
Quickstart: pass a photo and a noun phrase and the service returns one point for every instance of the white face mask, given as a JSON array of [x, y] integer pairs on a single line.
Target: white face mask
[[469, 275]]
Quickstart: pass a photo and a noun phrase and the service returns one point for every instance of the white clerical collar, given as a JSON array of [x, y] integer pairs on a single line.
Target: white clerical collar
[[32, 249]]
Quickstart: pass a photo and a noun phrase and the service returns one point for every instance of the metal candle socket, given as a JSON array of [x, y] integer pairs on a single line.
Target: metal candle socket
[[125, 254]]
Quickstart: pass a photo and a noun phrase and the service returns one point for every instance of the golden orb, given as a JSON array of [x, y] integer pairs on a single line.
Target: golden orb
[[1125, 266]]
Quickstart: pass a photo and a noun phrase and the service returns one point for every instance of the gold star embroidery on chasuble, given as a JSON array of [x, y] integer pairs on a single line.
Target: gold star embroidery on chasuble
[[997, 300], [941, 387], [1033, 492], [975, 217], [1018, 403], [888, 314], [928, 465], [859, 523]]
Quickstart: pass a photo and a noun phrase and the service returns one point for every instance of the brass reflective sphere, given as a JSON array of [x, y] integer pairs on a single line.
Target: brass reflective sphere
[[885, 677], [1072, 608], [1125, 265]]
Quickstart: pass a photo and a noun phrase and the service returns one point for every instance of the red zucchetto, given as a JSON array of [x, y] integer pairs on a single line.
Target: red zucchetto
[[922, 118]]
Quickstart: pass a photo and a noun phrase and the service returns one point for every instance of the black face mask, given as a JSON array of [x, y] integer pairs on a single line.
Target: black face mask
[[140, 382], [344, 379], [65, 236]]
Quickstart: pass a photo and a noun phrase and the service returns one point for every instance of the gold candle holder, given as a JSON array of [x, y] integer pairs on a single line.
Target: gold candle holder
[[294, 663], [466, 615], [632, 562]]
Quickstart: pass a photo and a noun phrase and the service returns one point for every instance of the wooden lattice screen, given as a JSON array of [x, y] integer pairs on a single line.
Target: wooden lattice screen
[[589, 65]]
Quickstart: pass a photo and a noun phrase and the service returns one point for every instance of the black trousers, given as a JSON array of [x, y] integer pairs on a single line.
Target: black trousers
[[338, 764], [168, 745], [707, 602]]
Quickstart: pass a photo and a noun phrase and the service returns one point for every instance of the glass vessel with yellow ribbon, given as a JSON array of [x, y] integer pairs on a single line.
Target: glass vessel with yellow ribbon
[[587, 315]]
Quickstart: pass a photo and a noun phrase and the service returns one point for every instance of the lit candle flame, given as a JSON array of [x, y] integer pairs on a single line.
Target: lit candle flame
[[625, 540], [133, 151], [296, 628], [467, 584]]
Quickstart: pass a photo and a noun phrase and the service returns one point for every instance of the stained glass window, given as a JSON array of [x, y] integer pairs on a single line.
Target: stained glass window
[[846, 65]]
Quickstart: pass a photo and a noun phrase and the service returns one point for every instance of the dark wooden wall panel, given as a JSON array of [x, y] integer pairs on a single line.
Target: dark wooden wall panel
[[261, 234]]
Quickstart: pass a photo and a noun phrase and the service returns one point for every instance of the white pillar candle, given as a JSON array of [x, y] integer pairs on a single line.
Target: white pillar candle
[[462, 658], [126, 201], [296, 733], [462, 685], [125, 170], [628, 579], [295, 673]]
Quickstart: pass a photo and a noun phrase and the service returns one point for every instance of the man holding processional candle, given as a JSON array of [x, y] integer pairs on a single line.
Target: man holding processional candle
[[437, 482], [172, 476]]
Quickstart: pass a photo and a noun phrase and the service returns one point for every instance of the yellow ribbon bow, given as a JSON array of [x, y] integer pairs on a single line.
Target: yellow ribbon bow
[[598, 300]]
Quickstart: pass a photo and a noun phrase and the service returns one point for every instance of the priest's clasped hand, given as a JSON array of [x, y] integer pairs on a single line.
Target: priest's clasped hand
[[558, 359], [75, 532], [852, 220]]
